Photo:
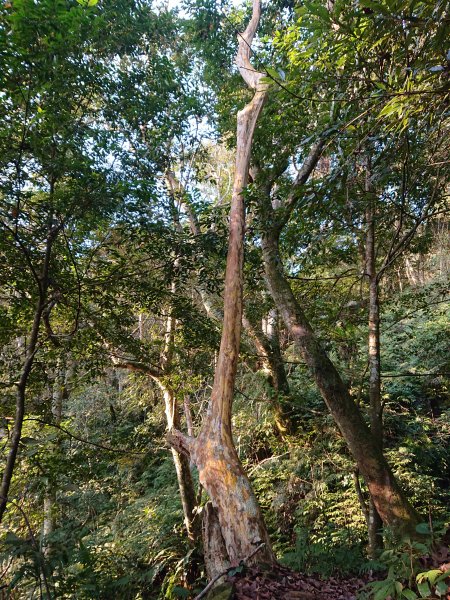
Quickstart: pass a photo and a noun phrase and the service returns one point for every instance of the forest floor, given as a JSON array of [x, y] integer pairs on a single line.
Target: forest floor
[[281, 583]]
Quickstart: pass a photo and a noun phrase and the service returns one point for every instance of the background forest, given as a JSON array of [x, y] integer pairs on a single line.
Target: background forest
[[117, 161]]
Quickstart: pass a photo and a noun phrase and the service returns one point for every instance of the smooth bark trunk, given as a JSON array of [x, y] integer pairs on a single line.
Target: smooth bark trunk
[[58, 392], [375, 523], [42, 284], [182, 468], [388, 498]]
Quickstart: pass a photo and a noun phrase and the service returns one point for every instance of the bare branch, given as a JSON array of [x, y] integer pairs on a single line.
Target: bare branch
[[133, 365], [180, 442], [248, 73], [284, 212]]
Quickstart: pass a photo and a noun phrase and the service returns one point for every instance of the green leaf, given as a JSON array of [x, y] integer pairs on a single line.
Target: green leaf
[[430, 575], [385, 589], [424, 589], [180, 592], [409, 594], [441, 588], [318, 10], [273, 73], [235, 570], [423, 528], [390, 108]]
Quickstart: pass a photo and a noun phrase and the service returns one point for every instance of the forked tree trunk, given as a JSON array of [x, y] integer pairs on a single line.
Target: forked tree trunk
[[161, 376], [390, 502], [182, 468], [180, 460], [220, 470], [267, 345]]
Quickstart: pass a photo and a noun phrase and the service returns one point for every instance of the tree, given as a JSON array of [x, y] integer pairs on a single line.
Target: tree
[[320, 45], [240, 522], [64, 79]]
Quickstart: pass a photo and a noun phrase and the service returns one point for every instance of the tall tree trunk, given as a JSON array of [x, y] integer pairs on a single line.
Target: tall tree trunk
[[220, 470], [20, 409], [268, 346], [389, 500], [375, 523], [59, 392], [42, 278]]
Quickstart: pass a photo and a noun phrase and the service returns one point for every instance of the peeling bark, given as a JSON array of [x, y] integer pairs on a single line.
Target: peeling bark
[[215, 552], [267, 346], [220, 471]]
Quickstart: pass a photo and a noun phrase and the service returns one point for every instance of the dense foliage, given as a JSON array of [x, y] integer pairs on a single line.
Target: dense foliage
[[117, 142]]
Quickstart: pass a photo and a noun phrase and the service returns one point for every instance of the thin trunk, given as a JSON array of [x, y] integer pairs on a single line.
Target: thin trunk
[[268, 347], [220, 471], [276, 360], [59, 392], [390, 501], [375, 523], [180, 460], [20, 410], [188, 415], [48, 523], [183, 471], [42, 281]]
